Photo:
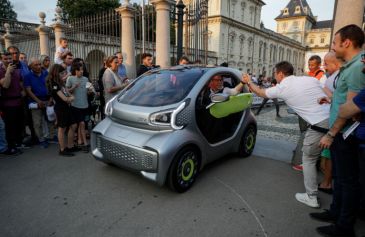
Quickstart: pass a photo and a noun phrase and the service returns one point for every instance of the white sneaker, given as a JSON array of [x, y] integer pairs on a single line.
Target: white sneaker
[[309, 201]]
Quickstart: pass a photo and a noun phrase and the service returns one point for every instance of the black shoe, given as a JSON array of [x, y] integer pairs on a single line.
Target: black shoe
[[73, 149], [65, 152], [334, 231], [325, 190], [278, 116], [325, 216], [10, 152]]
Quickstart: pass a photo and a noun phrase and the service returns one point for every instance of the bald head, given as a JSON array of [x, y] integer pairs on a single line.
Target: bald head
[[331, 63]]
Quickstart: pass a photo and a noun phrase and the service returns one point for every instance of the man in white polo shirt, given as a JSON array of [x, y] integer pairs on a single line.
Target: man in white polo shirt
[[301, 94]]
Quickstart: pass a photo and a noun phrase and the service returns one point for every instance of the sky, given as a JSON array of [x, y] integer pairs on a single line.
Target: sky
[[28, 10]]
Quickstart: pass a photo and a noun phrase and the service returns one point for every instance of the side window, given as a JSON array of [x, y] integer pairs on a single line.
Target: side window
[[213, 129]]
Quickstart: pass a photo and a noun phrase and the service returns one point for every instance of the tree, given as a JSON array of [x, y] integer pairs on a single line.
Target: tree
[[6, 10], [74, 9]]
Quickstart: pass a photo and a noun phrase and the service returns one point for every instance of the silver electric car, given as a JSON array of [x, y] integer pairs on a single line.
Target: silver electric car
[[166, 126]]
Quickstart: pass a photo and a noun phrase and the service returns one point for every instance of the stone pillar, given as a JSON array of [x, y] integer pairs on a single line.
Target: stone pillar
[[58, 27], [126, 12], [7, 37], [43, 31], [162, 31], [348, 12]]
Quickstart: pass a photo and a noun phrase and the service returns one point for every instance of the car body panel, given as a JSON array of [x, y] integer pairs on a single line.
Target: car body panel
[[129, 126]]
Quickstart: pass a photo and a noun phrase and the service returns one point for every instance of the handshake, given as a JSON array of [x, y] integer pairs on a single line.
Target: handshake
[[246, 79]]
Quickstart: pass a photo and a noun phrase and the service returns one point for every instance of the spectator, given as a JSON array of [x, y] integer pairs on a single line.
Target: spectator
[[122, 71], [347, 111], [22, 65], [67, 61], [56, 85], [347, 45], [184, 60], [300, 94], [4, 150], [61, 51], [146, 64], [76, 85], [112, 83], [101, 89], [24, 70], [267, 84], [314, 65], [35, 86], [23, 58], [11, 103], [224, 64], [46, 62], [332, 66], [84, 68]]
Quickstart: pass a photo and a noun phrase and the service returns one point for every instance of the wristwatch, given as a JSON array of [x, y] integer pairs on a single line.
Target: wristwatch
[[330, 135]]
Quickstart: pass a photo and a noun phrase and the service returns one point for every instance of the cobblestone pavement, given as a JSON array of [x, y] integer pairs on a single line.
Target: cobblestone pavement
[[284, 128]]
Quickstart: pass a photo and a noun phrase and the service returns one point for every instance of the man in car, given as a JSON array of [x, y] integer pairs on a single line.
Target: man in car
[[212, 127]]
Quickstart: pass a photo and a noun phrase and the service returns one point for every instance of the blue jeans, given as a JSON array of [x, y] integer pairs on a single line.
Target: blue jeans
[[346, 187], [3, 143]]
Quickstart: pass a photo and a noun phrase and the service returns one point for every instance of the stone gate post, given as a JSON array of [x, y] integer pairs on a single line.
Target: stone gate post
[[348, 12], [126, 12], [43, 31], [58, 26], [7, 37], [163, 31]]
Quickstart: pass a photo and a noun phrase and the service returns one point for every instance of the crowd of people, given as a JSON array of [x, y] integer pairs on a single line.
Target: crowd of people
[[334, 108], [42, 103]]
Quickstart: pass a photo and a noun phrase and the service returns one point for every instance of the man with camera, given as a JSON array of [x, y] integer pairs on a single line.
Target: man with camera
[[11, 102]]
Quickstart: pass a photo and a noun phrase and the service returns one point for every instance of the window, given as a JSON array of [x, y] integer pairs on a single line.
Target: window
[[311, 41], [322, 40], [284, 25], [297, 9], [286, 11], [161, 88]]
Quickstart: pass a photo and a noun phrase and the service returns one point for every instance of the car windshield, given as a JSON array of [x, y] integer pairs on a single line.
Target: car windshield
[[162, 87]]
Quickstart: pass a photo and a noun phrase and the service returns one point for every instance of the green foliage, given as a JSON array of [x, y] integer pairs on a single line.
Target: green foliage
[[6, 10], [73, 9]]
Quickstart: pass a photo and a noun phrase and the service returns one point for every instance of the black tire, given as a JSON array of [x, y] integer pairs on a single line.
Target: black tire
[[184, 170], [248, 141]]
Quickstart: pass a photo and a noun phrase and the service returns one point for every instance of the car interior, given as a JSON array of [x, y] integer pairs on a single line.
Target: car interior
[[214, 129]]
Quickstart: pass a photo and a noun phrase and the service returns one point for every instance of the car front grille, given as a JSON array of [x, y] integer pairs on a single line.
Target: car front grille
[[127, 156]]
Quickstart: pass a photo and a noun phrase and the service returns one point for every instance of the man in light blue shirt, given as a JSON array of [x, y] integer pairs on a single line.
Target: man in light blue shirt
[[122, 71]]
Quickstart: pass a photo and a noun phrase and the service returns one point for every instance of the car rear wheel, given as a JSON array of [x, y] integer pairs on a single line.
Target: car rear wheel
[[184, 170], [248, 141]]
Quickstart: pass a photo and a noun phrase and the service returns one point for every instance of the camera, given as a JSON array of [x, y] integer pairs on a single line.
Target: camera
[[17, 65]]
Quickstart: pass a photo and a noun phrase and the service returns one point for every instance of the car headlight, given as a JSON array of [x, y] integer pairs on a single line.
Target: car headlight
[[109, 108], [161, 118]]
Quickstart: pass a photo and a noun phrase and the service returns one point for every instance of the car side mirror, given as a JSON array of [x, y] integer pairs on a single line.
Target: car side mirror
[[219, 98]]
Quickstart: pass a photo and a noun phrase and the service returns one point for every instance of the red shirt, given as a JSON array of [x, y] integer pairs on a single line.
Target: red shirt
[[12, 96], [316, 74]]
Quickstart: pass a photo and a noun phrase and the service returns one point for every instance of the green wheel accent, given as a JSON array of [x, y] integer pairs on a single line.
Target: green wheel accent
[[250, 141], [187, 170]]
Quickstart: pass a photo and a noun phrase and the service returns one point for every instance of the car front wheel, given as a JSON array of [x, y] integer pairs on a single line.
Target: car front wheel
[[248, 141], [184, 170]]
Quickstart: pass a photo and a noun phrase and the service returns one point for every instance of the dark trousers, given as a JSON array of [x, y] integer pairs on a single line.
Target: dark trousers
[[346, 187], [14, 125], [362, 177], [276, 102]]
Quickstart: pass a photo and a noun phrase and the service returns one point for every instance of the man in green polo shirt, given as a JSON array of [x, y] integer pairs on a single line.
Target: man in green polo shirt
[[347, 45]]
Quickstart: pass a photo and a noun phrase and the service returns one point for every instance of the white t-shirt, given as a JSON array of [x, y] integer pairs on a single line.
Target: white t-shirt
[[329, 82], [59, 52], [302, 94]]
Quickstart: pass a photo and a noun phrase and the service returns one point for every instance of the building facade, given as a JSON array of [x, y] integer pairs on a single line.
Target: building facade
[[297, 22], [237, 35]]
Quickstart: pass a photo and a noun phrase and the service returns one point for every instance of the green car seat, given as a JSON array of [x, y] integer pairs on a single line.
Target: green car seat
[[235, 104]]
